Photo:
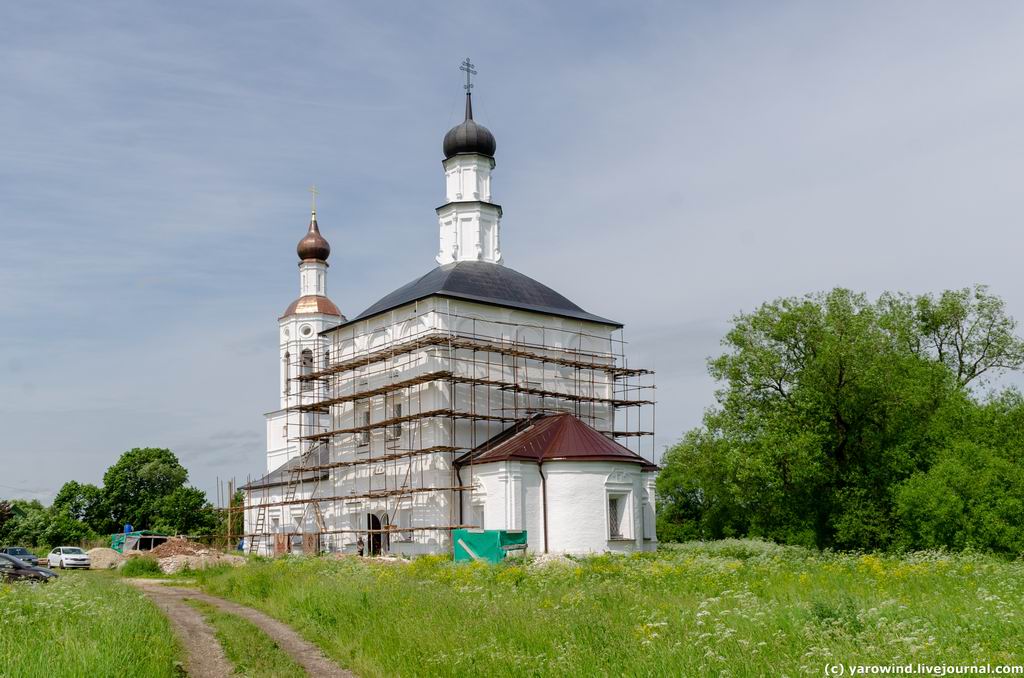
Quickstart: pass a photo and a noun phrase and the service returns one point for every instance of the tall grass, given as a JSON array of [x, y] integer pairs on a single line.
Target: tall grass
[[141, 566], [82, 624], [738, 608]]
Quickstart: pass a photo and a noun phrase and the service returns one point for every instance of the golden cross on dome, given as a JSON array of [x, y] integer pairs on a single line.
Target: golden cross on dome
[[315, 192], [467, 66]]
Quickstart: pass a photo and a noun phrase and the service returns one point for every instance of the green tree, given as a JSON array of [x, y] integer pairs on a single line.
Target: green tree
[[186, 511], [827, 404], [28, 523], [63, 530], [973, 495], [6, 514], [86, 503], [967, 330], [136, 486]]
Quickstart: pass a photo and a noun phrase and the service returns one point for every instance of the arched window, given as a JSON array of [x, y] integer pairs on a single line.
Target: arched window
[[287, 371], [306, 367]]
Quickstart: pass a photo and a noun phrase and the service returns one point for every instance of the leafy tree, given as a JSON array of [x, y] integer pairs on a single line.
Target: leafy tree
[[828, 403], [26, 527], [973, 495], [146, 487], [186, 511], [966, 330], [137, 484], [85, 503], [63, 530], [6, 514]]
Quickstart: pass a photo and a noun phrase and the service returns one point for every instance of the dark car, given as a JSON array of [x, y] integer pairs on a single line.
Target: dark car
[[15, 569], [21, 553]]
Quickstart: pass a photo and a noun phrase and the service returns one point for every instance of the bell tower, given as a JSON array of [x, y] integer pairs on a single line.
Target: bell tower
[[469, 222], [302, 349]]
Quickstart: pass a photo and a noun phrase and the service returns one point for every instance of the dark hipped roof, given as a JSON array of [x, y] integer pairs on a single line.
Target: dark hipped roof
[[484, 282], [559, 437], [283, 473]]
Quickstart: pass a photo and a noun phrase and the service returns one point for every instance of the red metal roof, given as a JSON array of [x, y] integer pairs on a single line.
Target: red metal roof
[[559, 437]]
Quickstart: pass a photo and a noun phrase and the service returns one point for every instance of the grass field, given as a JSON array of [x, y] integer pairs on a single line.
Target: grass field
[[736, 608], [83, 624]]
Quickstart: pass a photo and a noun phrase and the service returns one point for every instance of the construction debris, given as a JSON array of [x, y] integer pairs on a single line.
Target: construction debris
[[177, 563], [178, 554], [176, 546]]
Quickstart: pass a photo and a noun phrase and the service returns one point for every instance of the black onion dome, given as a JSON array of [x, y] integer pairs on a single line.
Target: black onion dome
[[469, 137], [313, 245]]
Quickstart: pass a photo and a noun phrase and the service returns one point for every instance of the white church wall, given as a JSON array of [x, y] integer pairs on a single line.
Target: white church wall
[[509, 494], [558, 337], [578, 506], [519, 506], [279, 449], [279, 518]]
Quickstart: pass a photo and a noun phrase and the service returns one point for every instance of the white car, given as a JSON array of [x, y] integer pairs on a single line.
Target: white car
[[68, 556]]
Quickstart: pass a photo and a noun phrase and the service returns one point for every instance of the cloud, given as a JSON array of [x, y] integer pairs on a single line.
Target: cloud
[[668, 165]]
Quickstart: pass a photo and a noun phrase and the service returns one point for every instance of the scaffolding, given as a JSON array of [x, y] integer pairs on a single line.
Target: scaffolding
[[380, 413]]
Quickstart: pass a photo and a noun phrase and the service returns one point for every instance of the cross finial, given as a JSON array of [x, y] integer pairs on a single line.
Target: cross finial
[[467, 66], [314, 191]]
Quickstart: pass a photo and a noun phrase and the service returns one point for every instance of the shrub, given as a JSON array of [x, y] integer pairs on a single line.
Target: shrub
[[141, 567]]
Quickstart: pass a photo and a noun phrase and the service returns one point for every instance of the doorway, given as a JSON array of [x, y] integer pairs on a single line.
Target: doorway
[[378, 540]]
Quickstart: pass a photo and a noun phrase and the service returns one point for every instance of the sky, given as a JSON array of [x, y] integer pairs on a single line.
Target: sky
[[668, 165]]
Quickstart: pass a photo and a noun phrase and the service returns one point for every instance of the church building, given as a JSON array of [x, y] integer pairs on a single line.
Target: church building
[[471, 397]]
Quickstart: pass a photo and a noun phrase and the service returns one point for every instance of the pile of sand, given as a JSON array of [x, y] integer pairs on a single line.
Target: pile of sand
[[103, 558]]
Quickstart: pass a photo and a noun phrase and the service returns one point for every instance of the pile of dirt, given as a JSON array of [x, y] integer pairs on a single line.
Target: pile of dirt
[[177, 554], [176, 546], [103, 559]]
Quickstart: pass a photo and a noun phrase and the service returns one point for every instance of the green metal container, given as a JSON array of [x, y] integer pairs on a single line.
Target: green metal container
[[490, 546]]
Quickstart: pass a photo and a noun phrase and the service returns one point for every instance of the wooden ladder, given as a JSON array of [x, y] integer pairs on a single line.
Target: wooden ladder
[[257, 533]]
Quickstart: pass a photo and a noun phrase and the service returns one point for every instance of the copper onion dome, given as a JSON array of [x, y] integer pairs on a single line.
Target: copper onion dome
[[313, 245], [469, 137]]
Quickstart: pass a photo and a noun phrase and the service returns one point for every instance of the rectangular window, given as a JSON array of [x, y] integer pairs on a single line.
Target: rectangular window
[[614, 523], [478, 516], [620, 520], [403, 519], [395, 430], [364, 436]]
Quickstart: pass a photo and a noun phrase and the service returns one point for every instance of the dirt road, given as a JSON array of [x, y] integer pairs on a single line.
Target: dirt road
[[205, 657]]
